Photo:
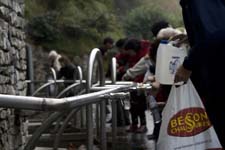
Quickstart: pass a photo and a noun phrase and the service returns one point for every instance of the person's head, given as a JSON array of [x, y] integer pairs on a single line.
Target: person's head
[[132, 46], [108, 42], [156, 27], [52, 55], [64, 60], [120, 44], [167, 33]]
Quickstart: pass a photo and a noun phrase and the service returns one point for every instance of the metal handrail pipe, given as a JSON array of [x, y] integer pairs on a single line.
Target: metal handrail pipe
[[53, 74], [42, 87], [45, 125], [67, 89], [83, 81], [114, 107], [95, 55], [57, 81], [42, 104], [62, 128], [132, 87], [80, 74], [50, 82], [64, 125], [119, 82], [100, 88], [113, 70]]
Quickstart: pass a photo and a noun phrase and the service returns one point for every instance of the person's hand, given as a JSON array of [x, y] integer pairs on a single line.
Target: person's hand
[[125, 78], [180, 39], [146, 56], [156, 85], [151, 78], [182, 74], [155, 88]]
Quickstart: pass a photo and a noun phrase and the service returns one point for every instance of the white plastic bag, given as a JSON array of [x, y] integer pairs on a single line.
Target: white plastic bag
[[185, 124], [169, 58]]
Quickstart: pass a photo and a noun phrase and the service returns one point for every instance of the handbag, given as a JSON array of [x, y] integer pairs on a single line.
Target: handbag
[[185, 124]]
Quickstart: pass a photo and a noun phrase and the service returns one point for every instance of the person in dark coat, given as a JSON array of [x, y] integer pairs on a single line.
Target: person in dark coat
[[137, 49], [68, 71], [121, 59], [205, 24], [107, 44]]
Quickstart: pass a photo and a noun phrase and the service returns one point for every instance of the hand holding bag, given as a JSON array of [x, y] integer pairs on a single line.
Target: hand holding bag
[[185, 124]]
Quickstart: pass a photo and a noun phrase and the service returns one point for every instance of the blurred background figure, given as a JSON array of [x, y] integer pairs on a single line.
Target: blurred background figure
[[53, 58], [136, 49], [107, 45]]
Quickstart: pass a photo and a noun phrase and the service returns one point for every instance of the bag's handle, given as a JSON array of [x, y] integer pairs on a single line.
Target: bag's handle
[[177, 85]]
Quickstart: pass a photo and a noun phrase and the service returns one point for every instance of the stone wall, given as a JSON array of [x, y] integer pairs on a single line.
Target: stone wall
[[12, 71]]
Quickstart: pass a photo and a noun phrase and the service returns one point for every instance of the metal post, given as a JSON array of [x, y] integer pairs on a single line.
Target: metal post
[[114, 123], [30, 71], [114, 105], [102, 125], [113, 70], [82, 110], [55, 83], [97, 119], [95, 55]]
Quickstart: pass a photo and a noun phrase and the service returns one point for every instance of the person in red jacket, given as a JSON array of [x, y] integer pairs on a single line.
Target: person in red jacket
[[121, 58], [136, 50]]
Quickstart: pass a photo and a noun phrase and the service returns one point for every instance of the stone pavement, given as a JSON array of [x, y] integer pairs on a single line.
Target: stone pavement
[[136, 141]]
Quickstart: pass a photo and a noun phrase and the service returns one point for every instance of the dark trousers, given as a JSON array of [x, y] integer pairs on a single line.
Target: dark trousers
[[122, 115], [214, 93], [138, 108], [216, 112]]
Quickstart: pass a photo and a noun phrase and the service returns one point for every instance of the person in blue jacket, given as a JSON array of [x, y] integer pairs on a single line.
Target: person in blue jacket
[[205, 24]]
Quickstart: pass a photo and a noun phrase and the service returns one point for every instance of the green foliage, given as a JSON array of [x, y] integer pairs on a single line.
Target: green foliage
[[76, 26], [43, 28], [33, 8], [139, 21], [69, 25], [70, 46]]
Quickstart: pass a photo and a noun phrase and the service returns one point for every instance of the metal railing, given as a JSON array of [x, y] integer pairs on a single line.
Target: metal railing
[[102, 91]]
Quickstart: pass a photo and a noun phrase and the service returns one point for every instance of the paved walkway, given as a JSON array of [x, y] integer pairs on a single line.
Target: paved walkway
[[127, 141], [136, 141]]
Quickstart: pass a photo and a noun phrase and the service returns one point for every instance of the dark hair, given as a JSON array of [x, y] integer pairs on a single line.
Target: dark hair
[[154, 48], [64, 59], [120, 43], [108, 40], [156, 27], [133, 44]]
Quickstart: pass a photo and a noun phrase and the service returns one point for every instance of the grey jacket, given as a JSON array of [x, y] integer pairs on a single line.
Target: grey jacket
[[140, 68]]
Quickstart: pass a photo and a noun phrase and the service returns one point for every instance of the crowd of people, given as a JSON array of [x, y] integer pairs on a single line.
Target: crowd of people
[[137, 58], [136, 61]]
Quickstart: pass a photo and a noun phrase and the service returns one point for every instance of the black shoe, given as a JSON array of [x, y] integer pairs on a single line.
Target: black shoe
[[151, 137], [142, 129]]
